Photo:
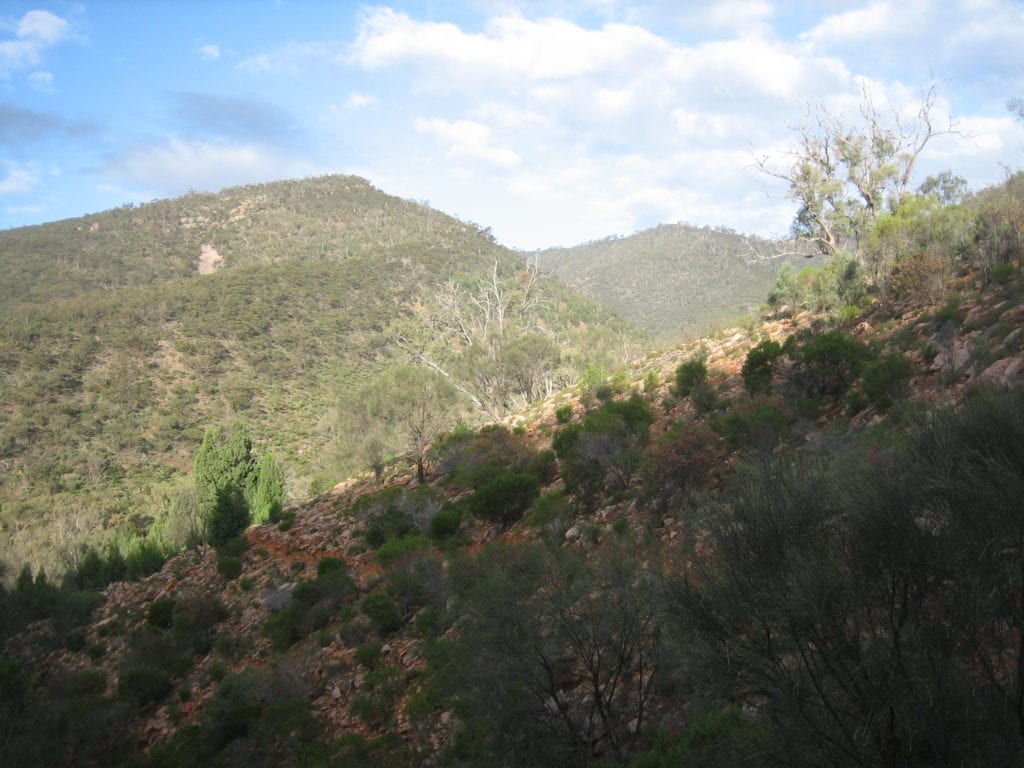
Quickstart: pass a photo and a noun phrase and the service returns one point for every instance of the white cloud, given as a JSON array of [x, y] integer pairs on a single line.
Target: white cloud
[[860, 24], [18, 180], [177, 165], [35, 32], [42, 81], [357, 100], [468, 139], [210, 52]]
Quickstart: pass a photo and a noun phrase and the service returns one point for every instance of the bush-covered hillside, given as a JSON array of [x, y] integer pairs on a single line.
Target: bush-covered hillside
[[122, 339], [798, 544], [674, 280]]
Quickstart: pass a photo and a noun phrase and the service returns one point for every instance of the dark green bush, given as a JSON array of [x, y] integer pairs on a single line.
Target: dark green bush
[[759, 423], [828, 363], [329, 564], [161, 612], [382, 611], [445, 523], [760, 365], [884, 379], [503, 499], [143, 685], [393, 550], [690, 375], [229, 517], [563, 414], [229, 567], [368, 655]]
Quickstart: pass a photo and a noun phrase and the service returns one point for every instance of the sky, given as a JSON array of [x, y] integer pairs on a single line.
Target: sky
[[551, 122]]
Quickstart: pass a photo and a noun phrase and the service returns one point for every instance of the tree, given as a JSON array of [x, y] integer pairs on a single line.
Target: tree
[[844, 177], [266, 498], [399, 414]]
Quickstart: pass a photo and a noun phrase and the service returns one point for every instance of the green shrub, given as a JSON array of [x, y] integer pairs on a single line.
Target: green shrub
[[229, 567], [368, 655], [330, 565], [828, 363], [504, 499], [445, 523], [235, 547], [549, 509], [382, 611], [161, 612], [760, 365], [690, 374], [395, 549], [143, 685], [759, 423], [884, 379], [563, 414], [1001, 273]]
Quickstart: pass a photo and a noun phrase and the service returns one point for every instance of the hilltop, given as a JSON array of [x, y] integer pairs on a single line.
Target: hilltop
[[793, 542], [675, 280], [124, 335]]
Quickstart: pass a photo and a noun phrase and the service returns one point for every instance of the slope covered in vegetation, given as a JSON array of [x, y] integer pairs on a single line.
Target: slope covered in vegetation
[[673, 280], [125, 334], [797, 544]]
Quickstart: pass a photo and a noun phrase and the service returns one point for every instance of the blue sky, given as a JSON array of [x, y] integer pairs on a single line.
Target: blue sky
[[551, 122]]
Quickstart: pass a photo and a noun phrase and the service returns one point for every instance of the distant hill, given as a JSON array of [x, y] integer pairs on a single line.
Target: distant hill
[[124, 334], [672, 280]]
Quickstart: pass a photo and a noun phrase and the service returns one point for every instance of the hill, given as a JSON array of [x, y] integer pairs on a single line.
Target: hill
[[793, 543], [125, 334], [673, 280]]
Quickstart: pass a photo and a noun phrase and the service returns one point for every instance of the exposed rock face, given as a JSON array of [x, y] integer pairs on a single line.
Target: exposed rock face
[[209, 260]]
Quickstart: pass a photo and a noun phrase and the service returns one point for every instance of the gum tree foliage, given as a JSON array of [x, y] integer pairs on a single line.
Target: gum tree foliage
[[487, 338], [554, 656], [843, 176]]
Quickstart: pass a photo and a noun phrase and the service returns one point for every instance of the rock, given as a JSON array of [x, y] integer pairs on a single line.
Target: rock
[[335, 693], [573, 534]]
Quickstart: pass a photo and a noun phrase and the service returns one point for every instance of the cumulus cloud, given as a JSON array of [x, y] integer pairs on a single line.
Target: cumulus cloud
[[34, 33], [210, 52], [468, 139]]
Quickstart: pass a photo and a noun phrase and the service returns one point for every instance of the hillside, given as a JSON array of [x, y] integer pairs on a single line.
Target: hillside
[[125, 334], [674, 280], [731, 552]]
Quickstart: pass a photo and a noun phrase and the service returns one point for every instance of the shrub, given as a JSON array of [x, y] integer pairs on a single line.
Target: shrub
[[883, 379], [690, 374], [760, 423], [229, 567], [161, 612], [368, 655], [828, 363], [680, 462], [143, 685], [382, 611], [1001, 273], [330, 565], [395, 549], [563, 414], [445, 523], [504, 499], [759, 366], [550, 511]]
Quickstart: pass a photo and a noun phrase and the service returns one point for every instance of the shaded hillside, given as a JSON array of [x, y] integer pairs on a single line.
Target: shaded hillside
[[116, 353], [673, 280]]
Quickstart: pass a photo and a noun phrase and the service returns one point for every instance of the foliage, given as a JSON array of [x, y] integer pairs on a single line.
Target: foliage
[[690, 375], [383, 612], [884, 379], [826, 364], [678, 464], [759, 423], [505, 497], [537, 627], [445, 523], [759, 366], [862, 602]]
